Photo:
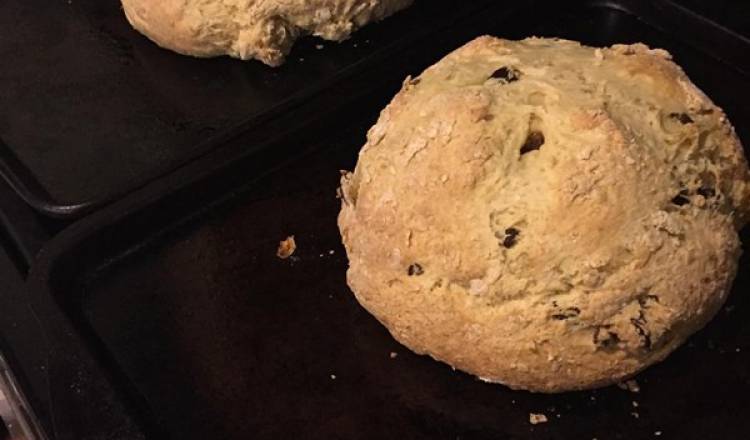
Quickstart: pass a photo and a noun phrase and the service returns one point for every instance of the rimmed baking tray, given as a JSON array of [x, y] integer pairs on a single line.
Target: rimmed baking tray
[[168, 314], [90, 109]]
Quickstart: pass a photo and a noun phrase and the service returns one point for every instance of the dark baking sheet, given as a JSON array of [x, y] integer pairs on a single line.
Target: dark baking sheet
[[733, 14], [177, 298], [90, 109]]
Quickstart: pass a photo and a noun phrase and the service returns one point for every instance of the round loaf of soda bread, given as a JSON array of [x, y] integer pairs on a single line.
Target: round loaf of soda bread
[[546, 215], [261, 29]]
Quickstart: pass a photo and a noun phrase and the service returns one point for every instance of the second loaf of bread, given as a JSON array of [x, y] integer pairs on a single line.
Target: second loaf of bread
[[250, 29]]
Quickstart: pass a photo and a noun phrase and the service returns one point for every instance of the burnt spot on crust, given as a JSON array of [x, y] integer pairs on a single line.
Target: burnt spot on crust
[[707, 192], [506, 74], [640, 327], [683, 118], [680, 200], [643, 300], [605, 338], [643, 333], [570, 312], [511, 237], [415, 269], [534, 141]]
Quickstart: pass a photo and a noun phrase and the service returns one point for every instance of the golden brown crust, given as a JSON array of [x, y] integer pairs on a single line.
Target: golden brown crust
[[568, 265], [256, 29]]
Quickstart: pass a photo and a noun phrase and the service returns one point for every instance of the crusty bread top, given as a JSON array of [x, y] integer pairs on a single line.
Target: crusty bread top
[[260, 29], [544, 214]]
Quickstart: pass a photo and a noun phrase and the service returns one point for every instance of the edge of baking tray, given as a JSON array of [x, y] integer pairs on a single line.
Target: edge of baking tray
[[24, 347], [161, 205], [19, 177], [711, 38]]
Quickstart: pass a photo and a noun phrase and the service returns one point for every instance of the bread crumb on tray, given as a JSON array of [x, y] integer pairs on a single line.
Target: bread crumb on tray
[[630, 385], [286, 248]]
